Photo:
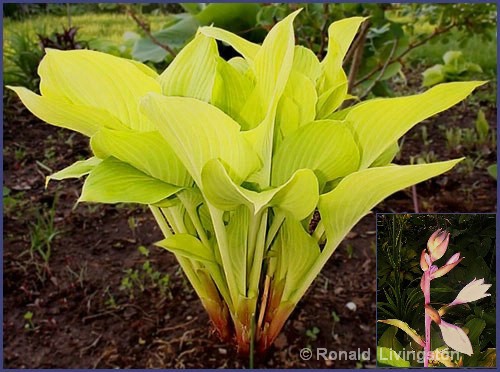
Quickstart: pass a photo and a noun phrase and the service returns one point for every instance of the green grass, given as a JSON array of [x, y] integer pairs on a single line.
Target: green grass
[[476, 50], [90, 26]]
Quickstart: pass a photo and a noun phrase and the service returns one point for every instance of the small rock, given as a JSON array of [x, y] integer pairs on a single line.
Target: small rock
[[281, 341], [351, 306]]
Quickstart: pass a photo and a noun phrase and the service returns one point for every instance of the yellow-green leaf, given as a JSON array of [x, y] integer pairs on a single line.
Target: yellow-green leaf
[[188, 246], [298, 196], [113, 181], [75, 170], [192, 72], [246, 48], [405, 328], [198, 132], [59, 112], [326, 147], [378, 123], [146, 151], [97, 80]]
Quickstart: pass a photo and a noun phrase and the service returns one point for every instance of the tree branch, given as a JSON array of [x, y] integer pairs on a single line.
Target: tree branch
[[147, 30], [382, 71], [324, 31], [405, 52], [357, 55]]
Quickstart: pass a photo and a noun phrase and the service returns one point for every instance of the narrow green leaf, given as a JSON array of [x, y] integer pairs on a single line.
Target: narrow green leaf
[[188, 246], [405, 328], [75, 170]]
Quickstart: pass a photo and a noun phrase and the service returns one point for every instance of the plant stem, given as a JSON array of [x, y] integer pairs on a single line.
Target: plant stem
[[221, 236], [255, 272], [252, 342], [427, 301]]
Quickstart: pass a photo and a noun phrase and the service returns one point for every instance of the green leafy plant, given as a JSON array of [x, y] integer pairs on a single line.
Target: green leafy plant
[[163, 44], [455, 68], [28, 317], [21, 57], [145, 277], [493, 170], [234, 157]]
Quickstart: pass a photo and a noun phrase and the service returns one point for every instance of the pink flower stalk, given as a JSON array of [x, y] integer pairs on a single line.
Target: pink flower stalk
[[473, 291], [438, 243], [453, 335]]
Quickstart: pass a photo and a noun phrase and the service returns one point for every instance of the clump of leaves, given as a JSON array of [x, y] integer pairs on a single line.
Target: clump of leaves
[[455, 68], [65, 40], [234, 157]]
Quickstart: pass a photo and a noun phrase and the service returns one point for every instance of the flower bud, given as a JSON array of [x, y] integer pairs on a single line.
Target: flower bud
[[438, 243]]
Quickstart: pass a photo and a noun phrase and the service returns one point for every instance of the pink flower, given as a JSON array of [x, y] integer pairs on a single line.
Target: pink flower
[[450, 264], [438, 243], [473, 291], [455, 338]]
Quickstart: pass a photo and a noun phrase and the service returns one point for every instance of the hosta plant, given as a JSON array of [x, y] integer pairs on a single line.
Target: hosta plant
[[453, 336], [234, 157]]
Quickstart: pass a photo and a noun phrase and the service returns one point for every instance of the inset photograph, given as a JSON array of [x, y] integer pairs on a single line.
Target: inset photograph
[[436, 290]]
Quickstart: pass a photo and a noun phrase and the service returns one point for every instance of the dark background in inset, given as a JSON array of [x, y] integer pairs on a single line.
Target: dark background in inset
[[400, 241]]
